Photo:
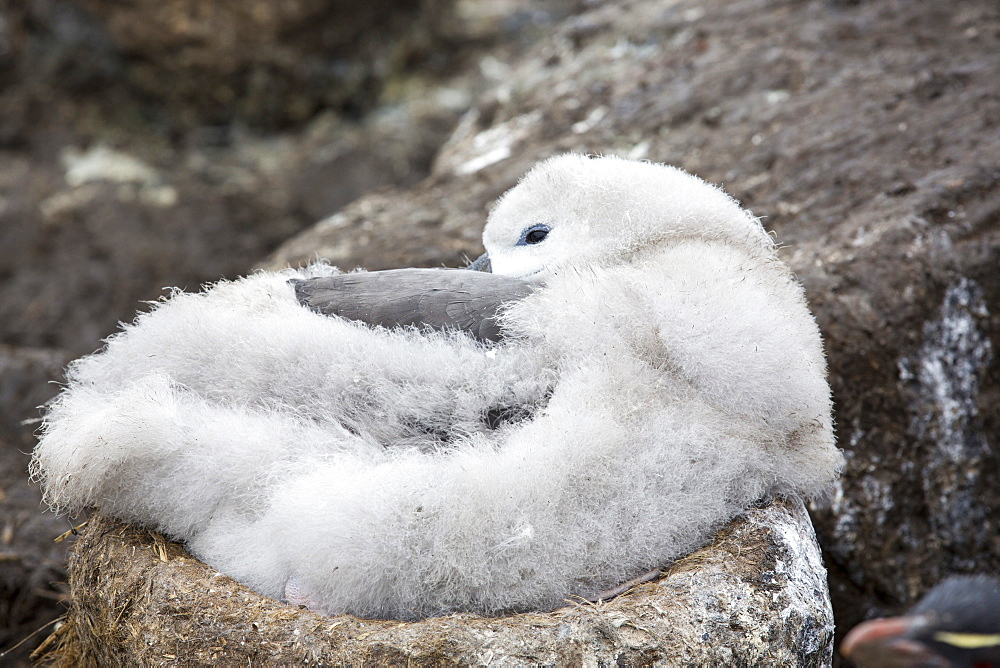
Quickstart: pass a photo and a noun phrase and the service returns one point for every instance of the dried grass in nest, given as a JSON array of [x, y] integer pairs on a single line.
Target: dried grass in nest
[[139, 599]]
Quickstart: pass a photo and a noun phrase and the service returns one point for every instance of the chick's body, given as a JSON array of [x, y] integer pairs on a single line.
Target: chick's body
[[661, 375]]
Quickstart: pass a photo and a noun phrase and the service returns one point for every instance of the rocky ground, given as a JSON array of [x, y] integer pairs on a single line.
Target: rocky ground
[[866, 134]]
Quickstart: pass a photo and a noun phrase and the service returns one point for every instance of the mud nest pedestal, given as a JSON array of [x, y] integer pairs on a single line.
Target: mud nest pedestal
[[756, 595]]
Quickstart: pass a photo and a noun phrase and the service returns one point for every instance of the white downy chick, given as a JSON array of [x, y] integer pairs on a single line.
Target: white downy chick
[[670, 372]]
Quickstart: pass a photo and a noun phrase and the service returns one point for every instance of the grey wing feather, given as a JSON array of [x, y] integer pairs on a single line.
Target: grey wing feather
[[434, 298]]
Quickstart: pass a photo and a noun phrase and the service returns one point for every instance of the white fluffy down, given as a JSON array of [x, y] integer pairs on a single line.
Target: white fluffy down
[[673, 368]]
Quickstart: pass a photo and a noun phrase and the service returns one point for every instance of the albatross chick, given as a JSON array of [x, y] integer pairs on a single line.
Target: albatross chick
[[654, 365]]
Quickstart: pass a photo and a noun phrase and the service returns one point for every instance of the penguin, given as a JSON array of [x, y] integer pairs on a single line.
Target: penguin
[[637, 368], [956, 625]]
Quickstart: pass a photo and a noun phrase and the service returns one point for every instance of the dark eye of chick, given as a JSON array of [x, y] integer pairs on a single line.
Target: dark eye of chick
[[534, 235]]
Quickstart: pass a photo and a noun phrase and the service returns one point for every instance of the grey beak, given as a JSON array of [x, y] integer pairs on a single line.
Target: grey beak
[[482, 263]]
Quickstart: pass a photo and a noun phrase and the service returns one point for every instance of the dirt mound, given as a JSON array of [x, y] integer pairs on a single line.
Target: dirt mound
[[755, 596]]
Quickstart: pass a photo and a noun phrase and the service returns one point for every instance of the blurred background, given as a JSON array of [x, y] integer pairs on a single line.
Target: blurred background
[[149, 144]]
